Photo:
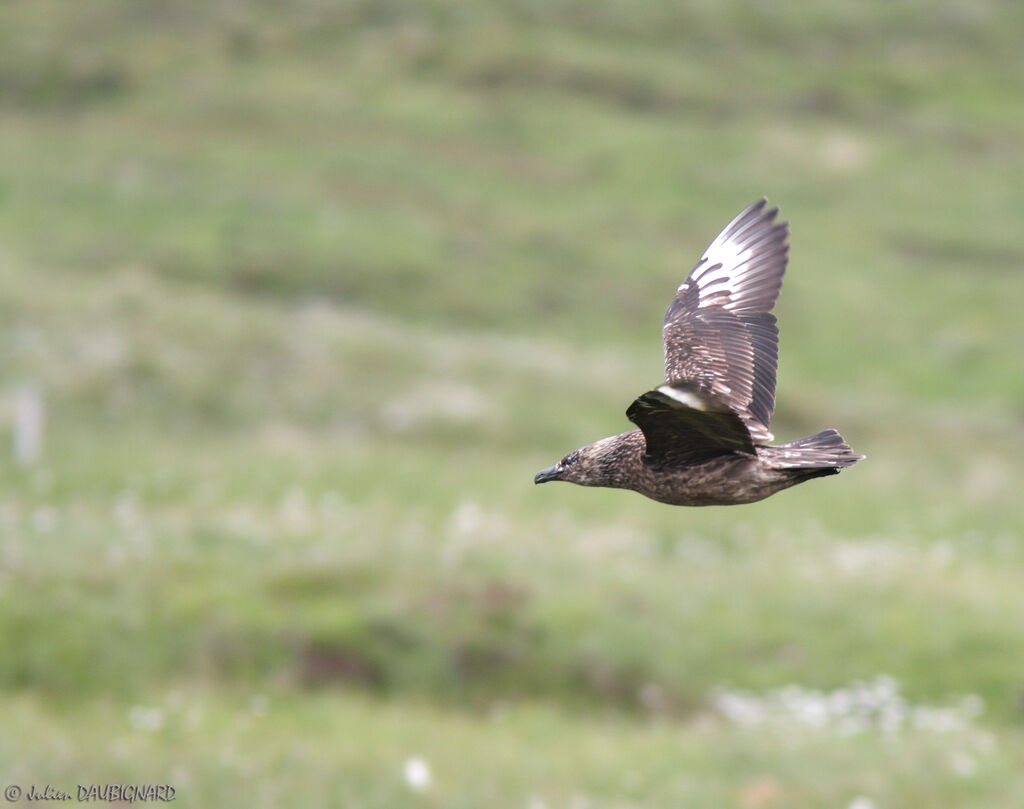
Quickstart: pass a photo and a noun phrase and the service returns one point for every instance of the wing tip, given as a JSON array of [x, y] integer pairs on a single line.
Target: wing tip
[[768, 214]]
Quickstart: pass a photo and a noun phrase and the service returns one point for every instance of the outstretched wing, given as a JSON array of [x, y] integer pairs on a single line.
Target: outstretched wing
[[684, 425], [719, 333]]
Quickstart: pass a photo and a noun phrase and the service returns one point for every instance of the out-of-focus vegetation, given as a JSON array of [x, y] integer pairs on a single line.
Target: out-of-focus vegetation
[[311, 290]]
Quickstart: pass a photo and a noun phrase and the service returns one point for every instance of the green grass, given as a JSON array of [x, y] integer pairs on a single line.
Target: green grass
[[311, 292], [343, 750]]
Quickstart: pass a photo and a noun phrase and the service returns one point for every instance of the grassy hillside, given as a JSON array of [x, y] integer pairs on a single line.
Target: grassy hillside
[[309, 293]]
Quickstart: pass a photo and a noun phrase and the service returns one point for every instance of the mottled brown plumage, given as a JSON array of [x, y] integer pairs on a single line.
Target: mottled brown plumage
[[703, 434]]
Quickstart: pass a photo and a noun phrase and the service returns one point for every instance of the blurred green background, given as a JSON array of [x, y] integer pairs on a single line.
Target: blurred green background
[[308, 292]]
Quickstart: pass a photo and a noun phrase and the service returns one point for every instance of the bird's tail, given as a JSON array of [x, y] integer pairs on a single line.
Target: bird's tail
[[826, 451]]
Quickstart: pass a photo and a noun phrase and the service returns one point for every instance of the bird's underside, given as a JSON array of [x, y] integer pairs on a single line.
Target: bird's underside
[[703, 435]]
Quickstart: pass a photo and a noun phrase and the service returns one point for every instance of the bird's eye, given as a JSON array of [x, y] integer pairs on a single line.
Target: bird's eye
[[568, 460]]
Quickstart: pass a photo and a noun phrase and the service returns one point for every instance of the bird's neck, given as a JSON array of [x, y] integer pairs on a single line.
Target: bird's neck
[[616, 460]]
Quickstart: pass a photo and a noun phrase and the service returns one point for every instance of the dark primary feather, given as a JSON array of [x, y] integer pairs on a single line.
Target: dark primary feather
[[719, 333], [682, 425]]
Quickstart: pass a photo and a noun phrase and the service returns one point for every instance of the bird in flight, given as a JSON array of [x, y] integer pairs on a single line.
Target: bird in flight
[[703, 436]]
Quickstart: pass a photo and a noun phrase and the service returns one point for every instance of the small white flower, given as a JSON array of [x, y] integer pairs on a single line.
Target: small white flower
[[417, 774], [258, 705], [45, 519], [142, 718], [963, 764]]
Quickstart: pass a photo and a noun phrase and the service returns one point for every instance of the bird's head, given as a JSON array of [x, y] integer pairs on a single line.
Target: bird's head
[[565, 469], [592, 465]]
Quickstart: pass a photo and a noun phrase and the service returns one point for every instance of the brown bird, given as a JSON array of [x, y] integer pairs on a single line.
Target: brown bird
[[703, 437]]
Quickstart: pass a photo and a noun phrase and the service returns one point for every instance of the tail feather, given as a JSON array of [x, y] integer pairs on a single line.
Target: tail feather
[[826, 449]]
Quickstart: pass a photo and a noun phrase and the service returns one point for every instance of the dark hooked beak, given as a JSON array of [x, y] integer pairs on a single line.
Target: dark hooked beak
[[551, 473]]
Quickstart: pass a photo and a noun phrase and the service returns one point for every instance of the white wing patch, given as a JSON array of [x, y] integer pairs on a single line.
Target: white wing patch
[[717, 279], [684, 397]]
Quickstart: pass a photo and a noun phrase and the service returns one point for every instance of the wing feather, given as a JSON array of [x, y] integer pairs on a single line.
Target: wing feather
[[719, 333]]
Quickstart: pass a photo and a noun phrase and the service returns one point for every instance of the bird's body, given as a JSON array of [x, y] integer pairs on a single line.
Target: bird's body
[[732, 478], [703, 437]]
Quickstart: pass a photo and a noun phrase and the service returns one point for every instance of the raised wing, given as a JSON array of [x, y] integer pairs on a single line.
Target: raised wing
[[683, 425], [719, 333]]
